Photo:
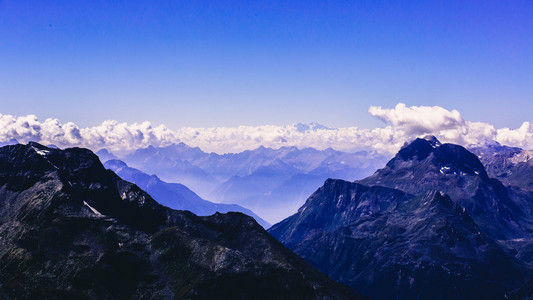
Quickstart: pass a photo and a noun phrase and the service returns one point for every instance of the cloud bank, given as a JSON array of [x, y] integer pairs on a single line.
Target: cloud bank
[[403, 124], [449, 126]]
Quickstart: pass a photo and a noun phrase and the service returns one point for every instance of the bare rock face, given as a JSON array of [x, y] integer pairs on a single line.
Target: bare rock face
[[393, 245], [69, 228], [424, 165], [505, 213], [430, 225]]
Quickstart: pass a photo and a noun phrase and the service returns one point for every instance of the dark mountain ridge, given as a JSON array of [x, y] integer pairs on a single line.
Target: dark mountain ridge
[[69, 228], [390, 244], [403, 233], [425, 165]]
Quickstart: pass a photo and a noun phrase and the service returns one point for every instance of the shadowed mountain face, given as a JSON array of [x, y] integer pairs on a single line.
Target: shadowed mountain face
[[69, 228], [271, 182], [398, 235], [389, 244], [175, 195], [426, 165]]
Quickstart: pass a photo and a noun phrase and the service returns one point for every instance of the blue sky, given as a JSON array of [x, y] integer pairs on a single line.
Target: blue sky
[[230, 63]]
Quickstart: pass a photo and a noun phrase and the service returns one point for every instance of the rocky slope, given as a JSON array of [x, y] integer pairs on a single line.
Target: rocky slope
[[425, 165], [69, 228], [393, 245], [430, 225]]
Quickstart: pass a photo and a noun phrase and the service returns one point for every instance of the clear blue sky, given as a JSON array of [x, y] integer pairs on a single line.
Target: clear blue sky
[[229, 63]]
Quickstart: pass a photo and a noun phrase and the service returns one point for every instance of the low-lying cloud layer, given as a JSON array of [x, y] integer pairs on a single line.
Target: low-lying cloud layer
[[402, 124]]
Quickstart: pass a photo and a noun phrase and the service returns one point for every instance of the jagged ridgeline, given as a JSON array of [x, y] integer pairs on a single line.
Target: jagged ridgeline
[[69, 228], [431, 224]]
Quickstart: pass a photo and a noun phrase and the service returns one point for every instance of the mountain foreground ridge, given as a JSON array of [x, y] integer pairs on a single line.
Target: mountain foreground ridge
[[69, 228]]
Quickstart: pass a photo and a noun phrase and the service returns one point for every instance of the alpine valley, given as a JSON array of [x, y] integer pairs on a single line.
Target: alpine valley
[[273, 183], [175, 195], [266, 150], [438, 221]]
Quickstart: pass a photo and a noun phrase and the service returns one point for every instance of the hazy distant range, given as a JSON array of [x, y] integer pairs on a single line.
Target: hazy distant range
[[273, 183]]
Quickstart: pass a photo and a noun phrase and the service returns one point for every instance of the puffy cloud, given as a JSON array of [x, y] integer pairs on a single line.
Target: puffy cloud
[[449, 126], [521, 137], [419, 119], [123, 137], [404, 124]]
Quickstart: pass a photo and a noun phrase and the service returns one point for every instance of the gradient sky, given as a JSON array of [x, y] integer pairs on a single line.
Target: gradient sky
[[230, 63]]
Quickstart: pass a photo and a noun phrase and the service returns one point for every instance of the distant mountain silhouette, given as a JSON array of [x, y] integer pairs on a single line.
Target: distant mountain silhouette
[[105, 155], [175, 195], [271, 182]]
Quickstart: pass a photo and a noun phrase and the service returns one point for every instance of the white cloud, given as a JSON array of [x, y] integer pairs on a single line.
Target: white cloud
[[419, 119], [404, 123], [449, 126], [521, 137]]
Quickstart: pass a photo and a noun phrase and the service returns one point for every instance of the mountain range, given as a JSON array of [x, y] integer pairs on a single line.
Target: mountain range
[[511, 165], [431, 224], [271, 182], [70, 229], [175, 195], [438, 221]]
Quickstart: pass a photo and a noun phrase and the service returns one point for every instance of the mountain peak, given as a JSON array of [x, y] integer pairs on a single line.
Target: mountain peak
[[115, 164], [418, 149], [313, 126], [72, 229], [445, 158], [433, 141], [419, 167], [105, 155]]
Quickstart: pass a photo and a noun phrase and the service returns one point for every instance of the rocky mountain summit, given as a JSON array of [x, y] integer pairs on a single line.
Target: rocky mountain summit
[[425, 165], [69, 228], [431, 224]]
